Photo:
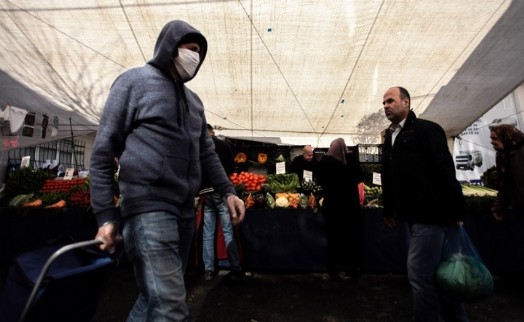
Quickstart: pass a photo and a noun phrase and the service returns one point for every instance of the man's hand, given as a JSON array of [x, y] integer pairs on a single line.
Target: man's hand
[[237, 209], [108, 234]]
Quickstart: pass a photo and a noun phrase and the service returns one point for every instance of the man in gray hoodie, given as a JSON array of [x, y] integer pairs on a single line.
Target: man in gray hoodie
[[157, 129]]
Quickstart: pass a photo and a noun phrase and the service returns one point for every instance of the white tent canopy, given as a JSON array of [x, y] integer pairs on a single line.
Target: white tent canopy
[[303, 71]]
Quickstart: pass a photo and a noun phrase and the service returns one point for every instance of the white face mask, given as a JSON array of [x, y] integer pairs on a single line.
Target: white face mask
[[186, 63]]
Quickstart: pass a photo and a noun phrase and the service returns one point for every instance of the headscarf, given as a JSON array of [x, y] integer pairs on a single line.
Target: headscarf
[[338, 150], [511, 139]]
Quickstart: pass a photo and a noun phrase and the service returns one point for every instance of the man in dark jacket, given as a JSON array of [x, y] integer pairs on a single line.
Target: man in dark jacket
[[420, 188], [305, 164], [157, 129], [214, 207]]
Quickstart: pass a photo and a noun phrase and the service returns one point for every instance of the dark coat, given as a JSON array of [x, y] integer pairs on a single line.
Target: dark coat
[[511, 181], [419, 183], [225, 154], [299, 165], [339, 183]]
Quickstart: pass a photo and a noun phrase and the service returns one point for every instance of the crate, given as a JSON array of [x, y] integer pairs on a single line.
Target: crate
[[60, 185]]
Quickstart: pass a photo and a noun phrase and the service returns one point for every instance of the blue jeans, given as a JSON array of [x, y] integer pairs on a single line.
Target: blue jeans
[[214, 206], [424, 255], [158, 244]]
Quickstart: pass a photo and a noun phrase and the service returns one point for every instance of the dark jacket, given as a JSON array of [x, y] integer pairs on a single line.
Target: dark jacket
[[511, 181], [339, 183], [298, 165], [157, 128], [419, 184], [225, 154]]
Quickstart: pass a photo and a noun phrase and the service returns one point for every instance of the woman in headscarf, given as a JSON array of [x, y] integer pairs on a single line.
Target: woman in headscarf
[[508, 141], [339, 174]]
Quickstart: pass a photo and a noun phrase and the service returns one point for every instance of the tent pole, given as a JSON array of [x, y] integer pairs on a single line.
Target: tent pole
[[73, 144]]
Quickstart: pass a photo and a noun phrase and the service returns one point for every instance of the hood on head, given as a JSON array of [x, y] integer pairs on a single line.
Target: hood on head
[[174, 34]]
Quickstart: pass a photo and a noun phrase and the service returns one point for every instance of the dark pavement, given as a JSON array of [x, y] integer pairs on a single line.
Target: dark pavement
[[286, 297]]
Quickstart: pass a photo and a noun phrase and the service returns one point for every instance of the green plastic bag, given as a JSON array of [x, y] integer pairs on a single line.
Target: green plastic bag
[[463, 275]]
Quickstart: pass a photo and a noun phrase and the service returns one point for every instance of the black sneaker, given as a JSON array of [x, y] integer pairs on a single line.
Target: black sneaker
[[238, 276], [209, 275]]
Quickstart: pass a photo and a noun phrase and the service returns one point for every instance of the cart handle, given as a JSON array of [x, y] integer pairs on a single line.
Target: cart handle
[[47, 266]]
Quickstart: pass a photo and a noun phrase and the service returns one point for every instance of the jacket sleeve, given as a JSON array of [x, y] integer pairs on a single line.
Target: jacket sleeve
[[212, 166], [385, 174], [115, 121]]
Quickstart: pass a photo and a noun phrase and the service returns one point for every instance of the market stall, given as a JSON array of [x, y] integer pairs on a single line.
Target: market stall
[[294, 240], [277, 239], [282, 231]]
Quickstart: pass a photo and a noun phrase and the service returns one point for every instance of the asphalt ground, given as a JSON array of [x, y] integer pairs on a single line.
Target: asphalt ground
[[289, 297]]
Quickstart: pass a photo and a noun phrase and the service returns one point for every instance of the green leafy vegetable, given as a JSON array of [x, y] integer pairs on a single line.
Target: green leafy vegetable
[[282, 182]]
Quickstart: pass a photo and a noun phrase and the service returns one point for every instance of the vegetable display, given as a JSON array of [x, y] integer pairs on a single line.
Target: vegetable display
[[251, 181], [272, 191], [283, 182], [270, 200], [250, 201], [54, 194]]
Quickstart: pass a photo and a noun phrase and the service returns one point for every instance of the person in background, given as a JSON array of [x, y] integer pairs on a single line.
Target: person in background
[[214, 206], [157, 129], [508, 143], [419, 187], [339, 173], [305, 164]]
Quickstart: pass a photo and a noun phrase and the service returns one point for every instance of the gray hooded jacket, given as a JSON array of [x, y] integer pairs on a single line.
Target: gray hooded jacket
[[157, 128]]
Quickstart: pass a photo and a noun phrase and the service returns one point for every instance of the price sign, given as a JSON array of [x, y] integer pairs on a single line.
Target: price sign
[[377, 179], [280, 167], [308, 176], [26, 162], [69, 173]]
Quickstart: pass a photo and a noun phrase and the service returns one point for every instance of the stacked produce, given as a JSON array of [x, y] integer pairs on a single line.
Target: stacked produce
[[274, 190], [373, 196], [283, 182], [310, 186], [476, 190], [249, 181], [55, 193]]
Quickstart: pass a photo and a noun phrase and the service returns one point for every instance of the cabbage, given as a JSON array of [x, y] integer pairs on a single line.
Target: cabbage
[[282, 202], [464, 278]]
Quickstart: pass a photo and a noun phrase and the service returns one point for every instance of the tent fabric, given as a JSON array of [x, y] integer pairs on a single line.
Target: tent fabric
[[303, 71], [16, 118]]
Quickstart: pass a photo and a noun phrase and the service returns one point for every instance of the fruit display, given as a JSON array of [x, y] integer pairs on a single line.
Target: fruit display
[[274, 191], [60, 185], [250, 181], [477, 190], [373, 196], [310, 186]]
